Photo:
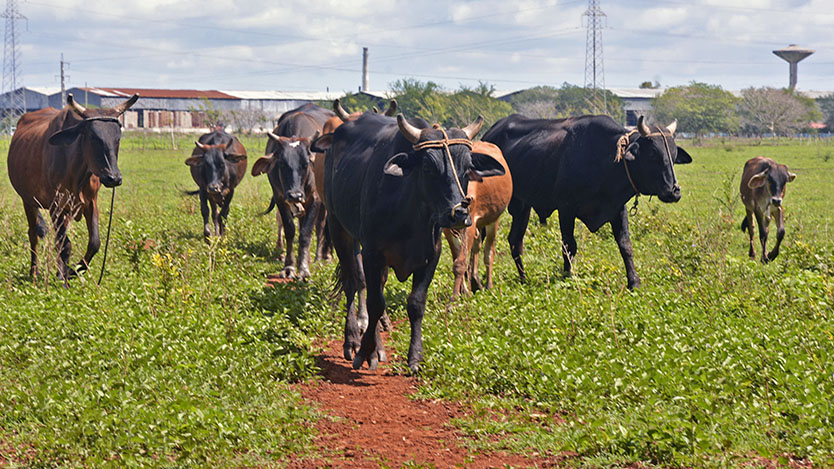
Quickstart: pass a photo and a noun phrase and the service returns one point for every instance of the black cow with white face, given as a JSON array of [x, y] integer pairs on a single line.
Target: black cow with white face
[[390, 186], [588, 168], [218, 163]]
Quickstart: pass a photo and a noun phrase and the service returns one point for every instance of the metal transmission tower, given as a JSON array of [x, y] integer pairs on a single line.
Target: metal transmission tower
[[12, 65], [595, 21]]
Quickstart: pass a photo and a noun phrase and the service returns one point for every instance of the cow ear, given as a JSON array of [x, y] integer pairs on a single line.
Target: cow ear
[[263, 165], [484, 166], [757, 180], [791, 176], [321, 144], [683, 157], [631, 150], [193, 160], [399, 164], [234, 150], [66, 136]]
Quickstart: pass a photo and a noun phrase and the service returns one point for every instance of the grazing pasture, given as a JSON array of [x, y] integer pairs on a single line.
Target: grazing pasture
[[183, 357]]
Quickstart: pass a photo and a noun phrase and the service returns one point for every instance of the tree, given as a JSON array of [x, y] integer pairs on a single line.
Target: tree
[[466, 104], [356, 102], [210, 115], [419, 99], [826, 105], [648, 85], [775, 111], [246, 120], [700, 108], [569, 100]]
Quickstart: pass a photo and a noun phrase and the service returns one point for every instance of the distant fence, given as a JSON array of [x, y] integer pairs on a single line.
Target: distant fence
[[180, 142]]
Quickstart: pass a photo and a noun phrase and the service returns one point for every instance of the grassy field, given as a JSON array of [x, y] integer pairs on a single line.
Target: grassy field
[[182, 357]]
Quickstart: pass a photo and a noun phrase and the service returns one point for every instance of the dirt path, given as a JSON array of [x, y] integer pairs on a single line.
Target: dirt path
[[374, 422]]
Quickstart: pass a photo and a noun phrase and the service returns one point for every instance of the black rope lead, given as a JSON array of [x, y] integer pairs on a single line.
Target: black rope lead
[[107, 242]]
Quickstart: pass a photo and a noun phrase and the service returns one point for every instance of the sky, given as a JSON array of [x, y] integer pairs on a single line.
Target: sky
[[316, 45]]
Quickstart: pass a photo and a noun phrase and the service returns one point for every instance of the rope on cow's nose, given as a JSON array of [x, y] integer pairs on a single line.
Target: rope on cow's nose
[[107, 241], [622, 145], [444, 143]]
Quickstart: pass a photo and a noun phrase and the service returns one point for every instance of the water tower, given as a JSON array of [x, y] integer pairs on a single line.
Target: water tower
[[792, 55]]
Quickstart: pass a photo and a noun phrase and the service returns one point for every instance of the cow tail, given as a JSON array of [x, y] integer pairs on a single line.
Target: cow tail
[[744, 224], [40, 228], [338, 284], [271, 206], [191, 192]]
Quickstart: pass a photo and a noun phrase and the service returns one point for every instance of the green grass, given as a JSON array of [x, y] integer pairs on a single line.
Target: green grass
[[182, 357]]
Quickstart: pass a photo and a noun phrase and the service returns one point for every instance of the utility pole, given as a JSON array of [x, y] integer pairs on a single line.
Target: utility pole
[[13, 65], [594, 71], [63, 77]]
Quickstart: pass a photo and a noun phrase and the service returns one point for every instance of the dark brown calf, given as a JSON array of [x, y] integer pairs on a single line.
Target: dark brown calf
[[218, 163], [762, 190], [57, 161], [490, 197]]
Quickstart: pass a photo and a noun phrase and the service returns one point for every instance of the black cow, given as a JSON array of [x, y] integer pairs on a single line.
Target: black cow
[[586, 167], [290, 172], [392, 187], [218, 163]]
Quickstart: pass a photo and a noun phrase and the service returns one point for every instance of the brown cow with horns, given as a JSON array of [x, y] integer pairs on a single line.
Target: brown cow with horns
[[58, 160]]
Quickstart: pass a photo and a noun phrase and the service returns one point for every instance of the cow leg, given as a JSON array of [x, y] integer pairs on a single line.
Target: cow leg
[[619, 225], [347, 271], [385, 321], [763, 222], [60, 221], [215, 223], [459, 247], [421, 279], [323, 245], [473, 243], [289, 233], [279, 242], [224, 212], [94, 241], [305, 238], [362, 288], [780, 233], [748, 217], [489, 252], [372, 350], [37, 229], [521, 216], [567, 223], [204, 211]]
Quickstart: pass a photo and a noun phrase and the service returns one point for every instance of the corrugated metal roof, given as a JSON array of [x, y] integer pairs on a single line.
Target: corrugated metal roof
[[45, 90], [159, 93], [283, 95]]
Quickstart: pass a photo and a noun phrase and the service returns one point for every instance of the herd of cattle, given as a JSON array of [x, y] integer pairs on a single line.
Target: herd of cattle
[[380, 190]]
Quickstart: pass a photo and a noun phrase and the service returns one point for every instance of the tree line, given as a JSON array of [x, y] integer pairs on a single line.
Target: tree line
[[701, 109]]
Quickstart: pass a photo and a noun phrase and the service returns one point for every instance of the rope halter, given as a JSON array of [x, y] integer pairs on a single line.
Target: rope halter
[[444, 143], [622, 145]]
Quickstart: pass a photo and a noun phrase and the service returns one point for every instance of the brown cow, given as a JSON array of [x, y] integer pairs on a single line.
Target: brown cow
[[342, 116], [57, 161], [489, 198], [218, 163], [762, 190]]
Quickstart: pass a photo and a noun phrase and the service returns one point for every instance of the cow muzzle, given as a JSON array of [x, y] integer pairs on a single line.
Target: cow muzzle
[[296, 209], [110, 180], [672, 196], [214, 189], [295, 197], [777, 201], [459, 218]]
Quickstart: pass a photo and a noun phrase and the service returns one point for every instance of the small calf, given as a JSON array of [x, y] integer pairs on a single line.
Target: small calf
[[762, 190], [489, 199]]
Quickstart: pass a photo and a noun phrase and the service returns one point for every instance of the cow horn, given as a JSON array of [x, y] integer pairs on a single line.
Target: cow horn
[[409, 131], [392, 108], [375, 109], [339, 110], [672, 127], [200, 146], [642, 127], [273, 136], [79, 109], [121, 108], [472, 129]]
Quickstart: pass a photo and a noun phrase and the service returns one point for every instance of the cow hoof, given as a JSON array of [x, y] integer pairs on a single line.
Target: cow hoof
[[350, 350], [765, 260], [382, 356], [414, 367], [633, 285], [288, 272], [385, 323], [772, 255]]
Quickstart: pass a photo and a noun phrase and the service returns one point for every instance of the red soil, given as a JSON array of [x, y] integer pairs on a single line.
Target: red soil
[[373, 422]]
